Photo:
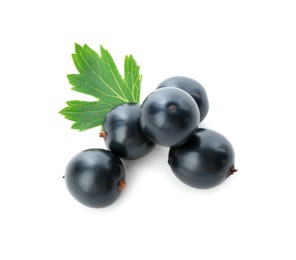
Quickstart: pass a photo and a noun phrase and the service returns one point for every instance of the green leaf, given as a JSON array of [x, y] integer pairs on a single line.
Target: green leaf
[[132, 76], [99, 77], [86, 114]]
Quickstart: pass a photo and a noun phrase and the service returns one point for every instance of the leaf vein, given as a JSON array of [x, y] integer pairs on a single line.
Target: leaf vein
[[98, 76]]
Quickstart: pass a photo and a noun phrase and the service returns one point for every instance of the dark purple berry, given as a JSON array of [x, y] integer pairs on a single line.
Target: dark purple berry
[[204, 161], [95, 177], [123, 134], [169, 116]]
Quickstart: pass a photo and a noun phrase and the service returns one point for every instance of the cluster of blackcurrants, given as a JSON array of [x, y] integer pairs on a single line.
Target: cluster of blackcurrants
[[169, 116]]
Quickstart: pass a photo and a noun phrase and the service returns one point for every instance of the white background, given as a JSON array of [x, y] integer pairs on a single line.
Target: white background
[[243, 52]]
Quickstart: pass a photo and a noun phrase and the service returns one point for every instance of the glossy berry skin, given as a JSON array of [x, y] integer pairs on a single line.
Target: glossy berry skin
[[194, 88], [95, 177], [169, 116], [205, 161], [123, 134]]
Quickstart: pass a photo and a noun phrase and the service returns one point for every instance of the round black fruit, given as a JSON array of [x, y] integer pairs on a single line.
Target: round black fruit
[[194, 88], [169, 116], [205, 161], [123, 134], [95, 177]]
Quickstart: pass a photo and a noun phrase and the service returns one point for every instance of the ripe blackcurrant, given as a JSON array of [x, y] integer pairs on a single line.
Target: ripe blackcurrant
[[204, 161], [169, 116], [123, 134], [194, 88], [95, 177]]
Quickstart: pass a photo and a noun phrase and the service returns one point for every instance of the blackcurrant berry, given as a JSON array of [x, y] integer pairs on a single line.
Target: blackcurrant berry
[[95, 177], [123, 134], [204, 161], [169, 116], [194, 88]]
